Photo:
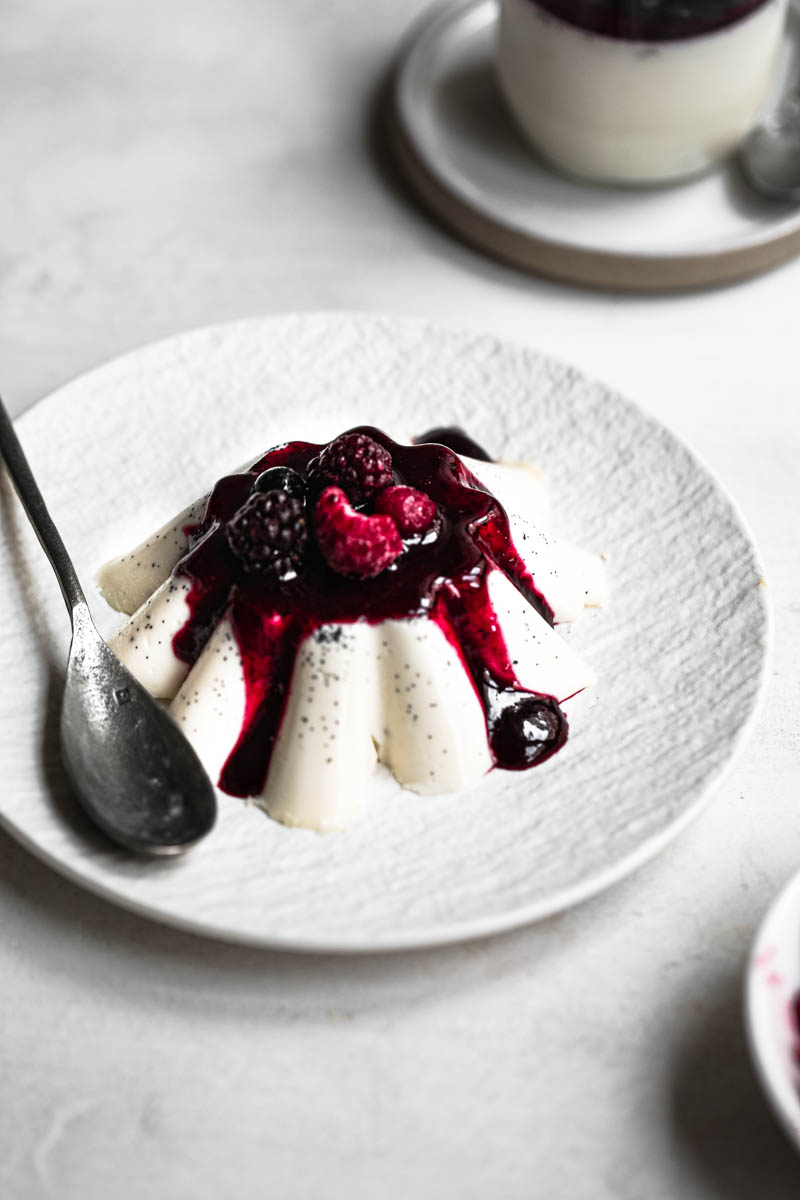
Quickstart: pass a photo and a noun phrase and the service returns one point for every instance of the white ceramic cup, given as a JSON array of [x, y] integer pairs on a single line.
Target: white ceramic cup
[[636, 112]]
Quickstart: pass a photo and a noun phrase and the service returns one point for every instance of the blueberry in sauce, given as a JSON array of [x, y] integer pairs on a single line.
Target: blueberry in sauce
[[282, 479], [524, 730]]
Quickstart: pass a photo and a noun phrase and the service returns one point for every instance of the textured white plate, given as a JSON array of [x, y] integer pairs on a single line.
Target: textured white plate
[[771, 985], [465, 156], [679, 652]]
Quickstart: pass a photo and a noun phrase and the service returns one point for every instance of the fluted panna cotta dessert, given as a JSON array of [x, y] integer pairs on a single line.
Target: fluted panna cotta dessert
[[335, 606]]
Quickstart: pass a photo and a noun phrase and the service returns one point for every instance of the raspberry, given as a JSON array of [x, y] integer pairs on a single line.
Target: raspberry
[[412, 511], [269, 534], [355, 463], [354, 544]]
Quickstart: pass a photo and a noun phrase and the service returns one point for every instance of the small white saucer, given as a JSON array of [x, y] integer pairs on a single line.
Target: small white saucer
[[771, 990], [462, 154]]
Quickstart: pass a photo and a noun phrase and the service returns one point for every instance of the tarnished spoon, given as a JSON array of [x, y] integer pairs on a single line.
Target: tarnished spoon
[[132, 770]]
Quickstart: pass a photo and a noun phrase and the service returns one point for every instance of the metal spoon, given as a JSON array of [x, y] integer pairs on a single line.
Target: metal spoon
[[770, 156], [131, 768]]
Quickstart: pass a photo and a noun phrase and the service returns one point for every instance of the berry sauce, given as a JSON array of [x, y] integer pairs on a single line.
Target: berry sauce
[[650, 20], [454, 437], [442, 576]]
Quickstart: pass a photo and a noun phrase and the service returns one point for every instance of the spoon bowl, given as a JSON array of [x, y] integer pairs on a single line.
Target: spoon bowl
[[135, 773], [770, 156], [132, 770]]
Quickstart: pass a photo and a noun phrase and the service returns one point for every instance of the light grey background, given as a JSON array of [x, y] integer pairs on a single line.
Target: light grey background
[[176, 163]]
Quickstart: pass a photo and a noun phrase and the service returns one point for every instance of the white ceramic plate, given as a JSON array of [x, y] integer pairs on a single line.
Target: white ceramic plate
[[772, 989], [464, 156], [679, 652]]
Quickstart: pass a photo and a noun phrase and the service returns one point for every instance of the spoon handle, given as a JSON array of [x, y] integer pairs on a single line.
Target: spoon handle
[[34, 505]]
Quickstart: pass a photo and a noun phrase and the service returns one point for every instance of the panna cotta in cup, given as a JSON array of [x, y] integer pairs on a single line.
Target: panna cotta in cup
[[637, 91], [334, 606]]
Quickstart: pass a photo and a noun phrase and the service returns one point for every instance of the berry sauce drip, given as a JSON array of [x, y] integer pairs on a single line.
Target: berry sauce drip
[[650, 20], [441, 575], [454, 437]]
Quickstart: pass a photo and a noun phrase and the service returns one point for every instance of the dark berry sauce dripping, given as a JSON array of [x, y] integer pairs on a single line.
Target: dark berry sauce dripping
[[443, 578], [650, 20], [454, 437]]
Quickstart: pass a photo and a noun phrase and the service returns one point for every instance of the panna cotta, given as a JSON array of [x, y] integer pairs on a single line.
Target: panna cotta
[[632, 91], [335, 606]]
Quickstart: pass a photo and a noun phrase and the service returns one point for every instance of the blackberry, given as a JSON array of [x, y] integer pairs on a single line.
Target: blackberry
[[269, 534], [355, 463], [281, 479]]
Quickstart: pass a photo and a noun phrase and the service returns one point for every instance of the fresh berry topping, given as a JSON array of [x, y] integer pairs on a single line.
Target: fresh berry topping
[[412, 511], [527, 731], [352, 543], [281, 479], [355, 463], [269, 534]]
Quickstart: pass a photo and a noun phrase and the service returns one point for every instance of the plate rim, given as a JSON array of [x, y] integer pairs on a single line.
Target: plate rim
[[620, 270], [473, 928]]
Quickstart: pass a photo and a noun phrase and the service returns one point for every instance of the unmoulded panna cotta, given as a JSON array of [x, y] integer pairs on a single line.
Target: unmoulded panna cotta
[[292, 669]]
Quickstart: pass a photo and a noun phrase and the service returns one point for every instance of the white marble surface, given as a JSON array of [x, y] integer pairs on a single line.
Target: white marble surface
[[170, 164]]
